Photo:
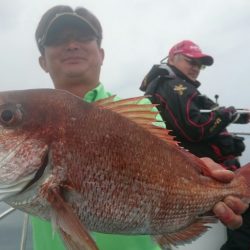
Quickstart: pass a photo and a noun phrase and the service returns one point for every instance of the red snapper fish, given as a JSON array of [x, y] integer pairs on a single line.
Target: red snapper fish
[[103, 167]]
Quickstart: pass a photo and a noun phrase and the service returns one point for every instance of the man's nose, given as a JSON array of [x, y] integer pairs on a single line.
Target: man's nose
[[73, 45]]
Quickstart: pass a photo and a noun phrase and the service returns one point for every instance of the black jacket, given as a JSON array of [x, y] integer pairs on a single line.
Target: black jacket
[[182, 107]]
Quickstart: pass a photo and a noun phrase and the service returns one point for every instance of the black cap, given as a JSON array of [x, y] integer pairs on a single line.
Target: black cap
[[61, 15]]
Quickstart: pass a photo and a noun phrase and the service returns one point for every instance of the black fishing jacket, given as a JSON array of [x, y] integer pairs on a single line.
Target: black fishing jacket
[[183, 108]]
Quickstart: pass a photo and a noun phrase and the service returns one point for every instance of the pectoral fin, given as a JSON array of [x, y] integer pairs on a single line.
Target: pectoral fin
[[185, 235], [74, 233]]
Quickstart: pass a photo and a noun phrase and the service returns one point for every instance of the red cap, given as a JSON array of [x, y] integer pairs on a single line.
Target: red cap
[[192, 50]]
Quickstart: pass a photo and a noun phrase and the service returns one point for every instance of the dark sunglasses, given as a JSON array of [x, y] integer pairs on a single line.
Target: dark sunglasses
[[60, 38], [194, 63]]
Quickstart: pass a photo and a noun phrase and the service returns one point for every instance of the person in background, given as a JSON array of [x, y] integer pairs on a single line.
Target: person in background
[[69, 41], [197, 122]]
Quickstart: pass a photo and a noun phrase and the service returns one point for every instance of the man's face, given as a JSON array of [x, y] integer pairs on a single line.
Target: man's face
[[188, 66], [71, 54]]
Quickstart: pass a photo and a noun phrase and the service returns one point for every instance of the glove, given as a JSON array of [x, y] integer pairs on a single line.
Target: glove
[[230, 113], [244, 118]]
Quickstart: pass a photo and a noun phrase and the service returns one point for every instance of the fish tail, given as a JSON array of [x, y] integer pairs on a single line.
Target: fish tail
[[245, 172]]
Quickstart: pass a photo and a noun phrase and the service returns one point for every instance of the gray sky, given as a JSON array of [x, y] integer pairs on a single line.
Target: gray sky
[[138, 34]]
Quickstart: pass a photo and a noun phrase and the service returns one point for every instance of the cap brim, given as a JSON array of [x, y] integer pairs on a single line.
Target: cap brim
[[64, 19], [205, 59]]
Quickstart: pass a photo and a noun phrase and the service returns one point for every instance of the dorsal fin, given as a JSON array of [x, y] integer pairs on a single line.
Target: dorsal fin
[[104, 101], [143, 114]]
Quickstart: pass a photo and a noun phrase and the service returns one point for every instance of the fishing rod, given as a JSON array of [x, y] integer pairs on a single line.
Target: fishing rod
[[8, 211], [240, 133], [24, 232], [216, 97], [240, 111]]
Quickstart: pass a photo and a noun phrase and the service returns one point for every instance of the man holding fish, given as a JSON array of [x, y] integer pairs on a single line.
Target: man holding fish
[[70, 45]]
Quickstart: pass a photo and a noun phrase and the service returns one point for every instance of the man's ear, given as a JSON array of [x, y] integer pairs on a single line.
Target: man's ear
[[170, 60], [102, 54], [42, 63]]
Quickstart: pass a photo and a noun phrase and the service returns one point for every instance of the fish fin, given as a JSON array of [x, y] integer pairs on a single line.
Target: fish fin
[[74, 233], [140, 113], [105, 101], [144, 115], [186, 235], [71, 245]]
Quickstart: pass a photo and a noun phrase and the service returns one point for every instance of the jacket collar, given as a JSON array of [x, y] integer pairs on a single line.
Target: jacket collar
[[181, 75]]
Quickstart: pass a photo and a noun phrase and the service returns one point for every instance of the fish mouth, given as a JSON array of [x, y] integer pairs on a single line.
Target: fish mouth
[[10, 190], [38, 174]]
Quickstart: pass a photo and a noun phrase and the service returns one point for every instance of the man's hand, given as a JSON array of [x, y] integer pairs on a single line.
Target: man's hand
[[230, 209], [244, 117]]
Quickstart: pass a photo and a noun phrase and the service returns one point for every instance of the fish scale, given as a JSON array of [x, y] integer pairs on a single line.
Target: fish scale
[[104, 167]]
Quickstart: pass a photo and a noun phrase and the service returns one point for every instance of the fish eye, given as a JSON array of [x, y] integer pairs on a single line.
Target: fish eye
[[10, 116], [7, 116]]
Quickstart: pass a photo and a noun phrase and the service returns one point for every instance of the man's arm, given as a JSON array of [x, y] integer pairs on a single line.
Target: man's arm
[[230, 209], [181, 105]]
